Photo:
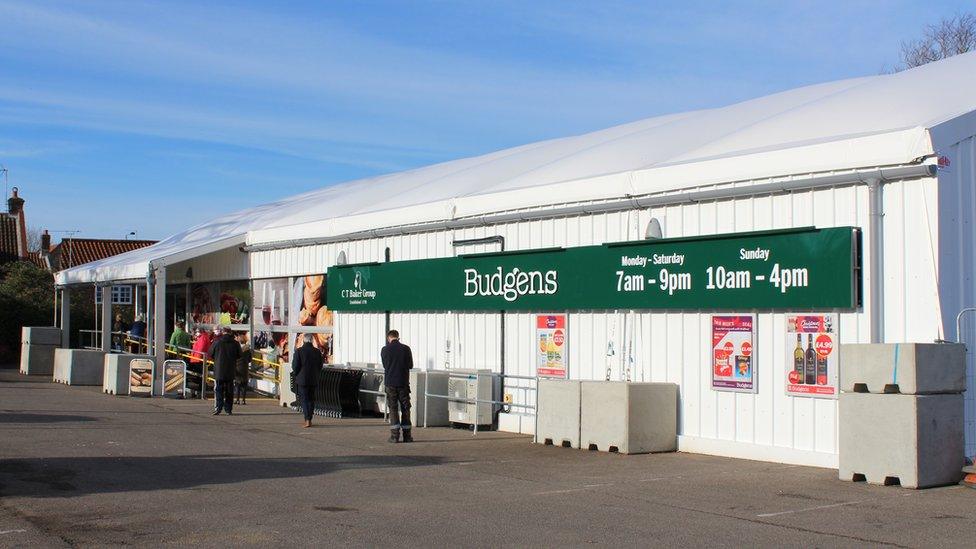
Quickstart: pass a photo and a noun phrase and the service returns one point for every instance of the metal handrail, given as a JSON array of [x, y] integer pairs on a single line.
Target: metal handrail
[[476, 401]]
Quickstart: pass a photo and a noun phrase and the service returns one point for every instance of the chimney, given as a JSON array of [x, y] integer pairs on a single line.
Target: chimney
[[45, 242], [15, 204]]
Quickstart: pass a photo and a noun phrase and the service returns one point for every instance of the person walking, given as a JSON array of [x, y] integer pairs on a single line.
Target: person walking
[[306, 366], [397, 363], [243, 373], [225, 352]]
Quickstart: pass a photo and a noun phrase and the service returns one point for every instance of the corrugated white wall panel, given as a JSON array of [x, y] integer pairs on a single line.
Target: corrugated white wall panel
[[956, 208]]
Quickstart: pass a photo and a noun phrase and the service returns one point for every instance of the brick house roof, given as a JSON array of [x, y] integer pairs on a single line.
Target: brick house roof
[[76, 251], [9, 238], [13, 230]]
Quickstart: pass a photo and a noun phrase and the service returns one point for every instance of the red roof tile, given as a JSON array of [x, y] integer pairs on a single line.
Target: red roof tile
[[76, 251]]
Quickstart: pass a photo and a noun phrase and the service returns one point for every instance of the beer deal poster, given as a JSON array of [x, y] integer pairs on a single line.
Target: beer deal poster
[[550, 337], [733, 362], [811, 364]]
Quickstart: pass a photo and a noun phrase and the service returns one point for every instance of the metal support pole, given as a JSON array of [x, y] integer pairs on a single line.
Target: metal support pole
[[139, 304], [159, 324], [106, 318], [876, 258], [65, 318]]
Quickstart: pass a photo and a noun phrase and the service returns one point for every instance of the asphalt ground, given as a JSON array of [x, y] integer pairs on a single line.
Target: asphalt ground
[[79, 468]]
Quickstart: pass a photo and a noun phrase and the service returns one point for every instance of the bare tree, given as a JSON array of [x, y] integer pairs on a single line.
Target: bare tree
[[944, 39], [33, 239]]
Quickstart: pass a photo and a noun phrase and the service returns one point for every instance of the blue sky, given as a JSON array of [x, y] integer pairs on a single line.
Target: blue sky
[[154, 116]]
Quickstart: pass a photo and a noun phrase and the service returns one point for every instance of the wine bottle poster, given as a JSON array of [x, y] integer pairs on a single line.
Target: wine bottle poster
[[811, 362], [733, 362], [550, 345]]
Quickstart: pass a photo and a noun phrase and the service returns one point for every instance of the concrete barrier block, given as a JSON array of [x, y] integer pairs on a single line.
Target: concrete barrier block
[[37, 359], [630, 418], [921, 368], [79, 366], [435, 410], [559, 412], [115, 378], [915, 441], [514, 422], [40, 335]]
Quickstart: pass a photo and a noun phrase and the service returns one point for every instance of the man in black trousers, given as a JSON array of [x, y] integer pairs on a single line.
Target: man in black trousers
[[225, 353], [397, 363], [306, 366]]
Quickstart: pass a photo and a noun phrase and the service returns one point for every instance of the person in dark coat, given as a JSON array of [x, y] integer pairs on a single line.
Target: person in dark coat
[[306, 366], [397, 363], [243, 373], [225, 353]]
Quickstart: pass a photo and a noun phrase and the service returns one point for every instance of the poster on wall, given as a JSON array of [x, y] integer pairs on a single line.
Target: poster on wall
[[270, 317], [223, 304], [732, 359], [811, 342], [550, 337], [310, 314]]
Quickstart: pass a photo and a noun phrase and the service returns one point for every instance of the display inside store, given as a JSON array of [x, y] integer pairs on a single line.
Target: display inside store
[[220, 304]]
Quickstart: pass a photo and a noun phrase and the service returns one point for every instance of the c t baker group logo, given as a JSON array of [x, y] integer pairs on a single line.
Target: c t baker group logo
[[359, 295]]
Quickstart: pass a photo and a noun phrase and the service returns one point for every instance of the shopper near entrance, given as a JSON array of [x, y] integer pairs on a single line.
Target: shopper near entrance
[[397, 363], [119, 327], [225, 353], [243, 373], [137, 332], [180, 338], [306, 366]]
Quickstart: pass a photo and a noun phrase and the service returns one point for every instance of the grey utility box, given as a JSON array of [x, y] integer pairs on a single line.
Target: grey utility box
[[79, 366], [115, 378], [630, 418], [435, 411], [916, 439], [906, 368], [37, 350], [558, 421]]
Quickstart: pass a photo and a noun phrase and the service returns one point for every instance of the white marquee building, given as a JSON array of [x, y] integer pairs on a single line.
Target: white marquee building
[[894, 155]]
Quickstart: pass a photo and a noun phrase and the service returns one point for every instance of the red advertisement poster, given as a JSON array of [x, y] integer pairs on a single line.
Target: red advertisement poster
[[732, 353], [811, 363], [550, 336]]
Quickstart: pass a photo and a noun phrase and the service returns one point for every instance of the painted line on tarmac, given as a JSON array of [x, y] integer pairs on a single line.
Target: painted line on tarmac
[[567, 491], [817, 508], [2, 532]]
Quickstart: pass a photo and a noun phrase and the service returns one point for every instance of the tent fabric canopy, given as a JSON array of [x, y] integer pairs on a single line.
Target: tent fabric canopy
[[870, 121]]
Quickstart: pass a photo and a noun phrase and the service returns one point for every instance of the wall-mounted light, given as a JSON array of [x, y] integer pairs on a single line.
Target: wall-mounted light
[[653, 229], [341, 260], [189, 273]]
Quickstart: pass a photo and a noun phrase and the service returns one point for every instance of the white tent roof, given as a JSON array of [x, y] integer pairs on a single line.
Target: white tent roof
[[861, 122]]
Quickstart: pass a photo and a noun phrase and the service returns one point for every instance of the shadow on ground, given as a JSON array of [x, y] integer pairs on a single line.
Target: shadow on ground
[[71, 477], [28, 417]]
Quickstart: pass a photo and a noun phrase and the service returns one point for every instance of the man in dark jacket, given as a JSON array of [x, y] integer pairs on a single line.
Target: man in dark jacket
[[225, 353], [397, 363], [306, 366]]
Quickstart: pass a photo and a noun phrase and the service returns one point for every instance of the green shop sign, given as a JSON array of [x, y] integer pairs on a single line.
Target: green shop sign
[[796, 269]]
